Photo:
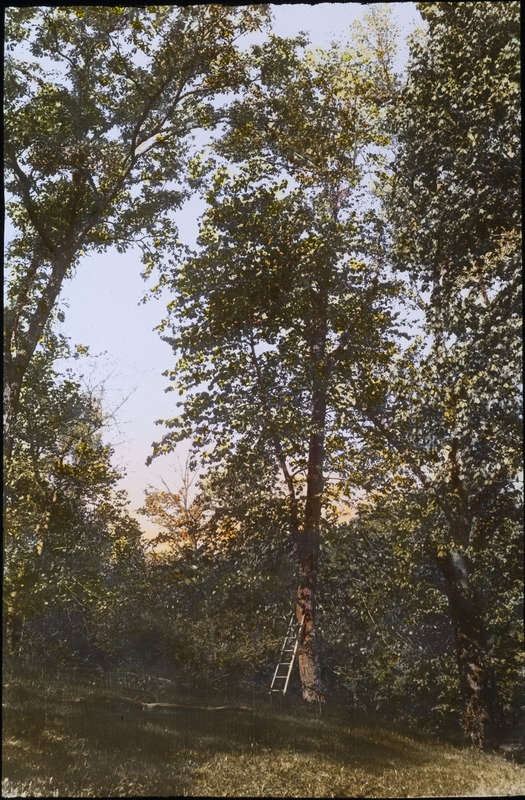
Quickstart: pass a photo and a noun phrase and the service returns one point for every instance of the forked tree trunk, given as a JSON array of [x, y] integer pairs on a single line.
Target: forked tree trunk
[[475, 671]]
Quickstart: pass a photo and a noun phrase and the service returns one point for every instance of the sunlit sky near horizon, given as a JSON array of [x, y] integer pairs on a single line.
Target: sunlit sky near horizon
[[103, 310]]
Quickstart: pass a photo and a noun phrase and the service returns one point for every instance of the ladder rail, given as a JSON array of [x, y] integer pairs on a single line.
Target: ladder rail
[[289, 635], [291, 663], [293, 634]]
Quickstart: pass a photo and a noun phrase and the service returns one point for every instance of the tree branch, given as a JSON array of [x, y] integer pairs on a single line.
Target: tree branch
[[399, 446], [25, 185]]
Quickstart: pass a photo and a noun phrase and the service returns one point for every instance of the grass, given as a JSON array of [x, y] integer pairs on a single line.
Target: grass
[[73, 735]]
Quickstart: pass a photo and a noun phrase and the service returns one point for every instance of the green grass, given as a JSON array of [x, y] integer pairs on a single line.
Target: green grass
[[69, 735]]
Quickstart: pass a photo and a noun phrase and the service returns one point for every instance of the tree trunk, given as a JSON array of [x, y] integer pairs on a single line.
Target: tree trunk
[[21, 342], [473, 660], [308, 649], [11, 395], [309, 538]]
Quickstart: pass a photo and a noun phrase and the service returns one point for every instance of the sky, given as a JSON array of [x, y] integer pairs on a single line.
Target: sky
[[103, 309]]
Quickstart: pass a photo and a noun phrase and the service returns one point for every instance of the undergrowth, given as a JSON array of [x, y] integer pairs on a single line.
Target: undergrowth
[[70, 734]]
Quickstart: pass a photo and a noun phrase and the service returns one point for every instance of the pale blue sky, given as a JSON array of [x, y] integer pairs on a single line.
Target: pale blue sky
[[103, 299]]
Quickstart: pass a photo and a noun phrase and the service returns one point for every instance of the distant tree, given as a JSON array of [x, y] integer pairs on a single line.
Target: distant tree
[[196, 610], [100, 104], [207, 518], [450, 414], [287, 298], [181, 517], [244, 496]]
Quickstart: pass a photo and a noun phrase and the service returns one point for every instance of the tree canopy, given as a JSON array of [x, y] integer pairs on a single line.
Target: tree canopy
[[96, 144]]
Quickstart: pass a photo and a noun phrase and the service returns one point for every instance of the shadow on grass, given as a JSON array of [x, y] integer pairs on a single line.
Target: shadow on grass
[[91, 747], [114, 731], [80, 737]]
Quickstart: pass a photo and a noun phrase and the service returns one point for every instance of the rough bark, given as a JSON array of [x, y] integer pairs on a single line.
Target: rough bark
[[475, 673], [308, 649], [466, 610]]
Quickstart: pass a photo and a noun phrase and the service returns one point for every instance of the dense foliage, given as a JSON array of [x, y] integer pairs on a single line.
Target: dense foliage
[[346, 340]]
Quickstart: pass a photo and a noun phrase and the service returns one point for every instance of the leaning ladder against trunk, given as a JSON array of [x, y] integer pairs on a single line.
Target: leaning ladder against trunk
[[283, 670]]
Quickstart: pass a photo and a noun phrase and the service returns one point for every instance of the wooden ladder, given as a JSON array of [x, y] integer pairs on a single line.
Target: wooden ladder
[[283, 670]]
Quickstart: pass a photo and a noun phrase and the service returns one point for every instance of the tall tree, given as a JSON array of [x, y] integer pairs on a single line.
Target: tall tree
[[288, 297], [456, 213], [100, 105]]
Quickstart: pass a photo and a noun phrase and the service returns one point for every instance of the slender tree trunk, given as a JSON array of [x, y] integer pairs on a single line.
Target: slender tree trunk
[[475, 672], [21, 342], [11, 396], [308, 558]]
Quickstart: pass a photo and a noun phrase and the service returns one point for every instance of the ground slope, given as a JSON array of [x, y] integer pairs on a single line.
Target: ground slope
[[67, 734]]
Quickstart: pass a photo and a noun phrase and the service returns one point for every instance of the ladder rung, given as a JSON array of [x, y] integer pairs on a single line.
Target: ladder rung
[[289, 649]]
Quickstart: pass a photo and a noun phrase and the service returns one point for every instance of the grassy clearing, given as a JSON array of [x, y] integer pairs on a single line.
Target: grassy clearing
[[71, 735]]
